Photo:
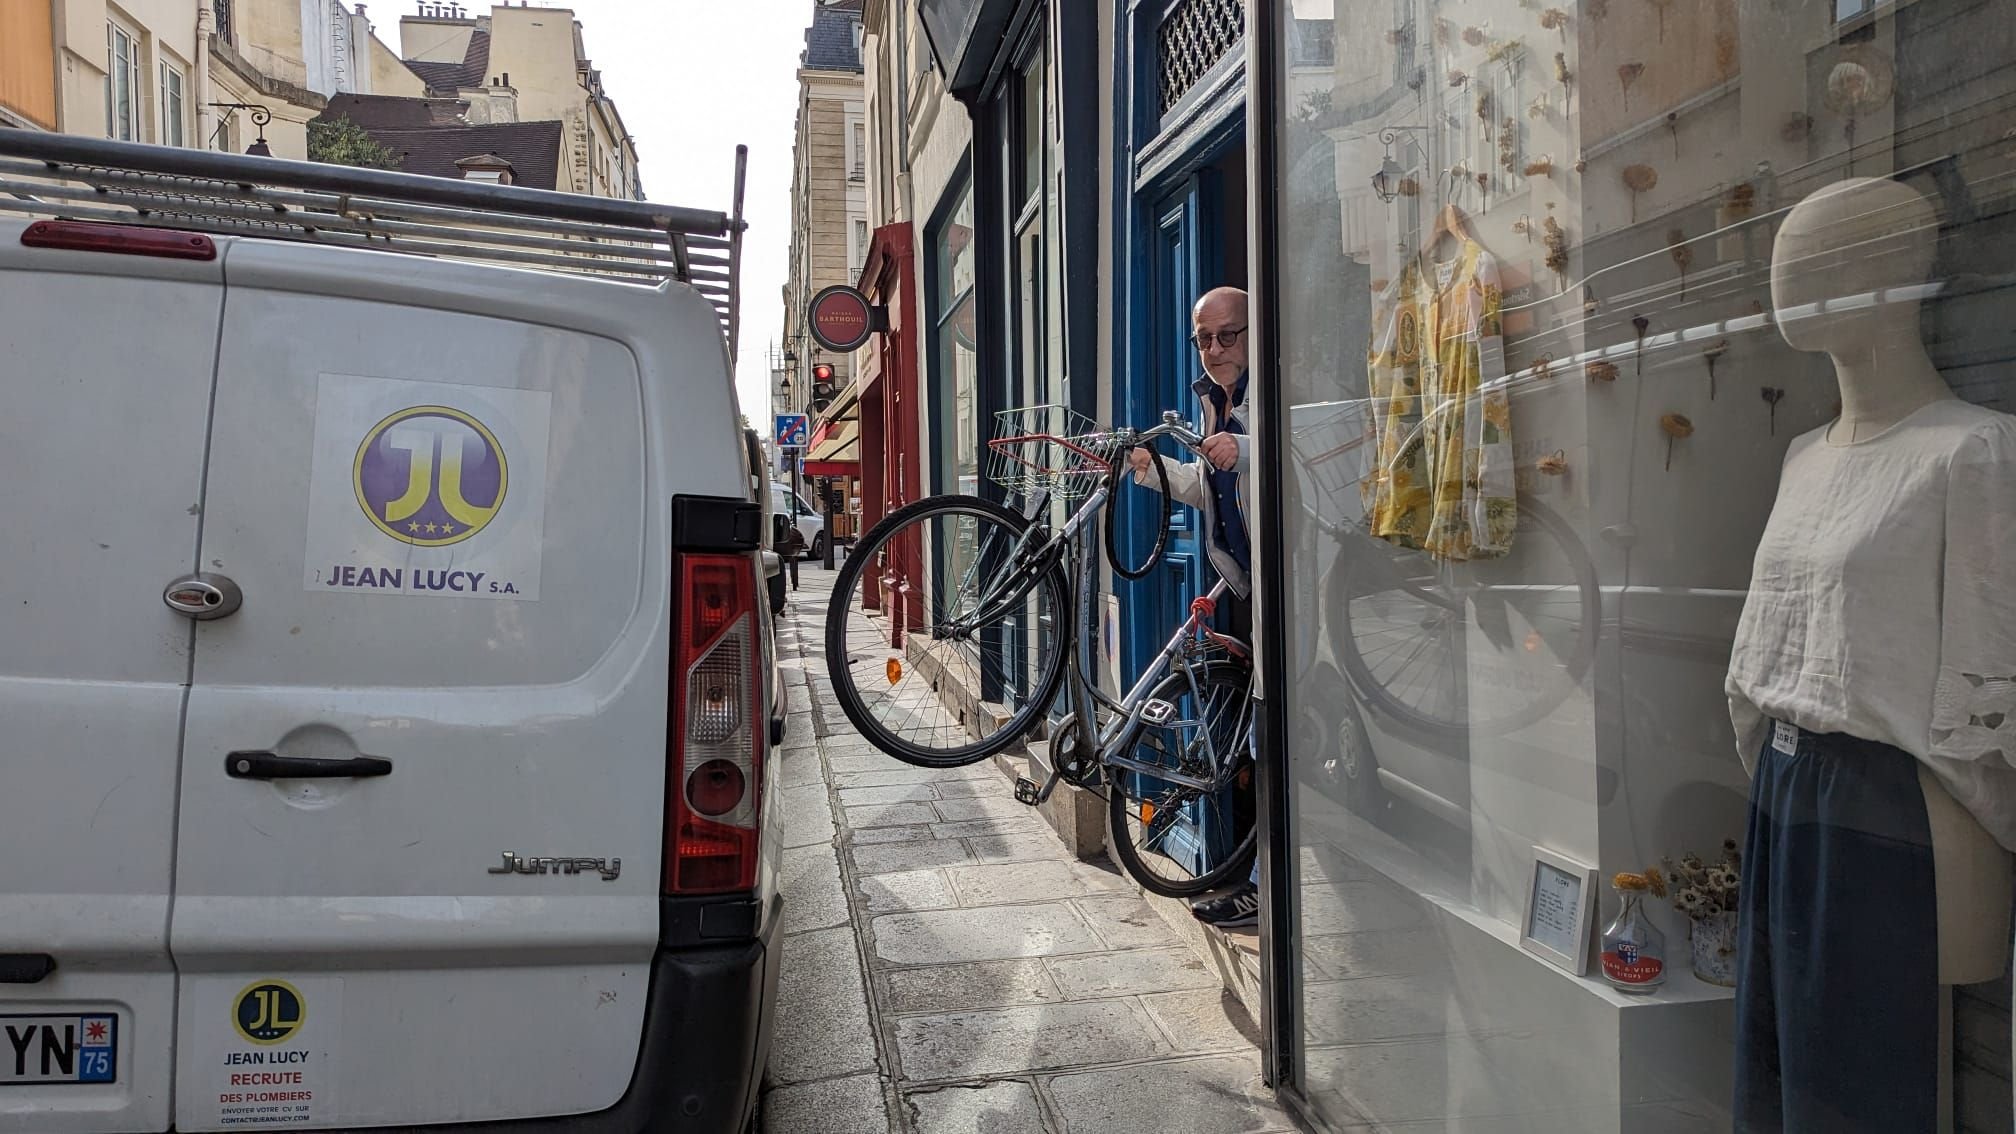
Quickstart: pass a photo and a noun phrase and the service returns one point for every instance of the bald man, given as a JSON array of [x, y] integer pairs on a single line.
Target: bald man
[[1215, 486]]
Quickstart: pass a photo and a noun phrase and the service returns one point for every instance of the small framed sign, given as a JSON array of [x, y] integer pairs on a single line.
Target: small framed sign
[[1560, 905]]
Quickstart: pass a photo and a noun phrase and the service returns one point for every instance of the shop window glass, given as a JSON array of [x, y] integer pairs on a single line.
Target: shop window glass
[[957, 389], [1589, 313]]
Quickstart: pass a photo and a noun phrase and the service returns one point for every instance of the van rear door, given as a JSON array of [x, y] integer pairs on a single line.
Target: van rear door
[[106, 361], [422, 812]]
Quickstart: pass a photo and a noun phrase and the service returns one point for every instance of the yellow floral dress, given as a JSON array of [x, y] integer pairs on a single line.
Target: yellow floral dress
[[1441, 415]]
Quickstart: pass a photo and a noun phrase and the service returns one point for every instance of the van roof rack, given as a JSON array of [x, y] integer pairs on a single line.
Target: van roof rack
[[68, 177]]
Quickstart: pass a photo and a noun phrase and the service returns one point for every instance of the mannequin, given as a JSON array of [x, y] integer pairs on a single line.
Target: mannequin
[[1862, 639]]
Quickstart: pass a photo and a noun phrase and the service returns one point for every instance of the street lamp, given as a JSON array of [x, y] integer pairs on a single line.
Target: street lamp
[[1386, 183], [260, 117]]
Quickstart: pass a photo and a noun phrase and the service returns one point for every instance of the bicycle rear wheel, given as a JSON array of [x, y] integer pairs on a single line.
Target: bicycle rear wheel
[[1178, 840], [945, 636]]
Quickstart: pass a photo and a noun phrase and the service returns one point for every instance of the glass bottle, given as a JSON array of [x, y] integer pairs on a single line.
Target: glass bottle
[[1634, 950]]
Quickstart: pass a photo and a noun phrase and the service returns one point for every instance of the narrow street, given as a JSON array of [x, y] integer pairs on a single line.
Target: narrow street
[[949, 967]]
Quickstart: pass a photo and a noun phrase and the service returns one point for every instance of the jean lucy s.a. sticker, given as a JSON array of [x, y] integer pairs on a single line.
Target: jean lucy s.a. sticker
[[427, 488]]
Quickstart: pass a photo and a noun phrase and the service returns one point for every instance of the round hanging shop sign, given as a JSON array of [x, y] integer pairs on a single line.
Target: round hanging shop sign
[[841, 318]]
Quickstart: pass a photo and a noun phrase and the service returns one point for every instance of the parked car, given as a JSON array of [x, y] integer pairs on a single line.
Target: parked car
[[811, 524], [383, 664]]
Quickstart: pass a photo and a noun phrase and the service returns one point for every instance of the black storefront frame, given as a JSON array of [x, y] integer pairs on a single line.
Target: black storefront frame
[[1280, 929]]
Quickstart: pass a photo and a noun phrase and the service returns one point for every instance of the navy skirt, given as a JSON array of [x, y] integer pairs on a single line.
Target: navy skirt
[[1837, 991]]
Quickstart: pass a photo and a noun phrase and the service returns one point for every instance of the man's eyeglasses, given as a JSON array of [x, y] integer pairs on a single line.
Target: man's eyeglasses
[[1224, 339]]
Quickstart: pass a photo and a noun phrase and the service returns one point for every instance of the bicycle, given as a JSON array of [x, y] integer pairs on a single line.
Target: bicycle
[[957, 646]]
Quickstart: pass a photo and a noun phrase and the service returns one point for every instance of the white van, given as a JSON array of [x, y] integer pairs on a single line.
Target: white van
[[385, 688]]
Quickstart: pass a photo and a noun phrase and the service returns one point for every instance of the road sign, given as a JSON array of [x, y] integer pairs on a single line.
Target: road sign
[[792, 429]]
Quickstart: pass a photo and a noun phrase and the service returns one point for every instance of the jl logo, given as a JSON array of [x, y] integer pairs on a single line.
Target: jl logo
[[430, 476], [269, 1012]]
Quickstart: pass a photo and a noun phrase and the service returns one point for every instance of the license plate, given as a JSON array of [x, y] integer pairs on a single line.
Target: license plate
[[59, 1049]]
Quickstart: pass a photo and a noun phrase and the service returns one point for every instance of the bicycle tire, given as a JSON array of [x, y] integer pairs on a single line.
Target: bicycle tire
[[841, 670], [1120, 804], [1338, 596]]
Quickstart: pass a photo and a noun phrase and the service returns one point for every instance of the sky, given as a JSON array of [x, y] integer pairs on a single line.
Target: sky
[[692, 79]]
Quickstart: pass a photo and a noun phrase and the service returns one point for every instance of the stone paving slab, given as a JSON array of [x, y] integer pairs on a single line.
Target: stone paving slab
[[811, 877], [989, 1108], [808, 816], [939, 937], [906, 891], [1001, 806], [1038, 847], [895, 773], [1030, 824], [1174, 968], [1003, 1041], [1214, 1095], [999, 884], [958, 988], [1125, 921], [881, 858], [869, 836], [835, 1106], [889, 793], [888, 814], [822, 1010], [1204, 1020]]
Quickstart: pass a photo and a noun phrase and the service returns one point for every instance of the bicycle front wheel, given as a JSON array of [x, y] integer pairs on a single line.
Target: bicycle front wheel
[[1179, 839], [945, 639]]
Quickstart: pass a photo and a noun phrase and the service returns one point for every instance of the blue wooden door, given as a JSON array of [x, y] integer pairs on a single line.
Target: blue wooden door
[[1181, 263]]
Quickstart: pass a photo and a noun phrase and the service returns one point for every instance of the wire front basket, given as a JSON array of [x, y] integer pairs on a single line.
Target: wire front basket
[[1048, 448], [1332, 443]]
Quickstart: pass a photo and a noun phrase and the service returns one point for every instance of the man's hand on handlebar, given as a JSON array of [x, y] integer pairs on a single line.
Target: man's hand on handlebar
[[1140, 457], [1221, 449]]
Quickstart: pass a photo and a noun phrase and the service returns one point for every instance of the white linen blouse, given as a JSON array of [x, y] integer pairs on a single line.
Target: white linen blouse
[[1882, 602]]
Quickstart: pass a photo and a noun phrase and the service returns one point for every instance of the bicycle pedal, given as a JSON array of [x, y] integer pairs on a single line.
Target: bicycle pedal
[[1158, 712], [1027, 791]]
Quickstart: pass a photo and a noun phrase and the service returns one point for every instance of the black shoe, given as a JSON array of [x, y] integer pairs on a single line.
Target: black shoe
[[1233, 911]]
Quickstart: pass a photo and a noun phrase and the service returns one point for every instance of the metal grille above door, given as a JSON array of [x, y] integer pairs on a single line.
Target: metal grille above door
[[1194, 36]]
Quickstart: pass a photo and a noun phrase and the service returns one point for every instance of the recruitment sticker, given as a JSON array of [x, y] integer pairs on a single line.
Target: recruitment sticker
[[427, 488], [271, 1047]]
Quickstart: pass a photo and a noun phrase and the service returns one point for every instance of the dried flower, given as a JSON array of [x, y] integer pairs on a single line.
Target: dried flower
[[1683, 256], [1601, 371], [1524, 227], [1639, 179], [1562, 74], [1540, 107], [1677, 428], [1542, 166], [1554, 464], [1400, 35], [1508, 144], [1642, 325], [1458, 78], [1713, 354], [1473, 36], [1556, 239], [1484, 111], [1627, 74], [1628, 881], [1739, 198], [1772, 396], [1554, 19], [1796, 127], [1503, 49], [1409, 187], [1658, 881]]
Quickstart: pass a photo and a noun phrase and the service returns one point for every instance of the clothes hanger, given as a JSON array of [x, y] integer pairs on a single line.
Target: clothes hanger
[[1451, 221]]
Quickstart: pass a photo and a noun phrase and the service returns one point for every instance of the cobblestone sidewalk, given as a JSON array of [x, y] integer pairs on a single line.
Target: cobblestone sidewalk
[[950, 969]]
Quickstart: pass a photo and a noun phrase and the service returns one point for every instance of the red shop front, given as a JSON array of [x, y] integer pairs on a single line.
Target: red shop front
[[891, 457]]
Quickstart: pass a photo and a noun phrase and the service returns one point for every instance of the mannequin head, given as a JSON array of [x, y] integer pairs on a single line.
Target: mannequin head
[[1852, 238]]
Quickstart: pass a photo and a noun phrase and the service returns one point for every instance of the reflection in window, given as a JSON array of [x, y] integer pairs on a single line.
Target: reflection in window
[[1629, 169]]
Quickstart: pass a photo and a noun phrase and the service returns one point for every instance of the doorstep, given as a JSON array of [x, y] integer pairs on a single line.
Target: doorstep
[[1077, 815]]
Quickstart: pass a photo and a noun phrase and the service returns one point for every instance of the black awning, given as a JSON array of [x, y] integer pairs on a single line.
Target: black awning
[[966, 38]]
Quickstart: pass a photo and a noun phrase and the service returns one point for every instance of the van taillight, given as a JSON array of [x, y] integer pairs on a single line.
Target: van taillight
[[714, 760], [129, 240]]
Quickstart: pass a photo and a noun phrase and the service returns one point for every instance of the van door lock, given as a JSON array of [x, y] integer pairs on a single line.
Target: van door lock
[[203, 596]]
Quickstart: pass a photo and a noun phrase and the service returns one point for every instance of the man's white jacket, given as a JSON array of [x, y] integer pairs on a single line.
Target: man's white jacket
[[1188, 483]]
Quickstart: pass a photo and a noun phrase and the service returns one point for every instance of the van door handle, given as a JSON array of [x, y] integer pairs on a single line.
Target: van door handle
[[270, 766], [25, 968]]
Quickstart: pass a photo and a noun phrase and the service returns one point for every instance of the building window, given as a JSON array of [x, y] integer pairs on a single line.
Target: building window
[[122, 82], [860, 244], [857, 150], [226, 29], [174, 111], [1032, 215], [957, 390]]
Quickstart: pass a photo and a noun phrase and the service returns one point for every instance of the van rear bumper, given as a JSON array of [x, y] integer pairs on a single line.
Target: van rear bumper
[[706, 1042]]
